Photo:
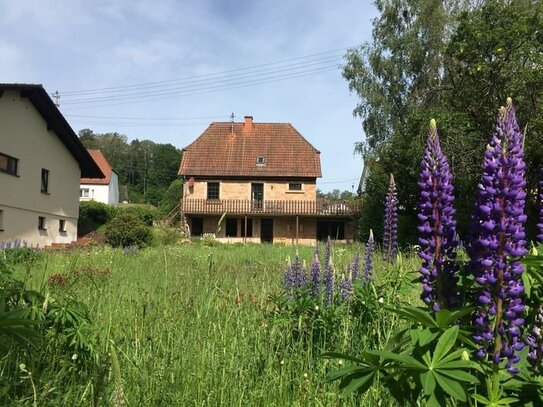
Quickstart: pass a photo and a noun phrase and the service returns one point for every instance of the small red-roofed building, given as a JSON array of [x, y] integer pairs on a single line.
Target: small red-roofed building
[[105, 190], [257, 182]]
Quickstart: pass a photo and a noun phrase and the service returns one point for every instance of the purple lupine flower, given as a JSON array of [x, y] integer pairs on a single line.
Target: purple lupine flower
[[390, 233], [355, 267], [327, 251], [367, 273], [437, 227], [535, 341], [315, 278], [289, 281], [498, 242], [346, 287], [539, 236], [298, 272], [328, 282]]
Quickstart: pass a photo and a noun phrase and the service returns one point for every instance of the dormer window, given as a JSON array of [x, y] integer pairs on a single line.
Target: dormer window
[[260, 160]]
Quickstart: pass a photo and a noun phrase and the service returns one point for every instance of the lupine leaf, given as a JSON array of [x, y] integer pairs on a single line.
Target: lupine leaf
[[445, 343], [360, 384], [459, 375], [405, 359], [345, 371], [445, 317], [451, 387], [480, 398], [415, 314], [339, 355], [428, 382]]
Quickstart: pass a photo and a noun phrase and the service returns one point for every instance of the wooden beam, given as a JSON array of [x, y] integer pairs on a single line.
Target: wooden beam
[[297, 228], [245, 234]]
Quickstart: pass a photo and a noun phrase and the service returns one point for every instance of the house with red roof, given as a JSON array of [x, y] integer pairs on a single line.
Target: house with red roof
[[105, 190], [41, 163], [256, 182]]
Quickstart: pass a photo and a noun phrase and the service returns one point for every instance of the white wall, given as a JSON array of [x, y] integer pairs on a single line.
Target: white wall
[[108, 194], [24, 135]]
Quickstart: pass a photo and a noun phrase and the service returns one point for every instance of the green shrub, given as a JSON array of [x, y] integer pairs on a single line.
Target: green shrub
[[92, 215], [147, 214], [127, 229]]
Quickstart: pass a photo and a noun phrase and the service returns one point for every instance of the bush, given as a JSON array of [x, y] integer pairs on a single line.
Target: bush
[[147, 214], [127, 229], [92, 215]]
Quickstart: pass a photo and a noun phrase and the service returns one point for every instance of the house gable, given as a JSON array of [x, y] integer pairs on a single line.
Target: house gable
[[56, 123]]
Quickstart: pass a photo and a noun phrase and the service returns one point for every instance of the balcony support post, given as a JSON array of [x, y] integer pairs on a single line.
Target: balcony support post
[[245, 228], [297, 228]]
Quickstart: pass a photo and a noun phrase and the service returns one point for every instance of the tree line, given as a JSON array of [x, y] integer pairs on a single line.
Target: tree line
[[455, 61], [147, 170]]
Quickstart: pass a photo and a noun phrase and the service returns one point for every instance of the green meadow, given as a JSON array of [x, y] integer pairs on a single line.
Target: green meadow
[[193, 325]]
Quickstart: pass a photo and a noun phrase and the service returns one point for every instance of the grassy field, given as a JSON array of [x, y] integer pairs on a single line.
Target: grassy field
[[193, 325]]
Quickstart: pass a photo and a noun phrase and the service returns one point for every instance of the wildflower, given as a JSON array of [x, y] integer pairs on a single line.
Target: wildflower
[[367, 274], [390, 236], [498, 242], [437, 227], [74, 356], [327, 251], [540, 199], [317, 308], [328, 281], [315, 277], [355, 266], [381, 300], [346, 287], [289, 279]]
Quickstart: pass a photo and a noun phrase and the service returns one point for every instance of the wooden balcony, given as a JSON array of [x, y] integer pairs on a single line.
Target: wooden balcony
[[318, 207]]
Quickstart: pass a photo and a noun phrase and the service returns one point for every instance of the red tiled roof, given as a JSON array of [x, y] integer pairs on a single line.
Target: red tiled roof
[[221, 152], [102, 162]]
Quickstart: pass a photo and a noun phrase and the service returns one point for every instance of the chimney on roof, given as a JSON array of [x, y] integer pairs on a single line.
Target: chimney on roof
[[248, 123]]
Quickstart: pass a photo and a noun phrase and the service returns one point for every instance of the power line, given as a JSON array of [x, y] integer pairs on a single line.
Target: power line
[[158, 83], [210, 89], [211, 84]]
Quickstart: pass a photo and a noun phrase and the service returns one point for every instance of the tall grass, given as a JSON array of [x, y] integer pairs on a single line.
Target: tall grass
[[192, 325]]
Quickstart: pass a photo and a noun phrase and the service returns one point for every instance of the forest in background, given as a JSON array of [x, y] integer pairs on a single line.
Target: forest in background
[[147, 170], [456, 61]]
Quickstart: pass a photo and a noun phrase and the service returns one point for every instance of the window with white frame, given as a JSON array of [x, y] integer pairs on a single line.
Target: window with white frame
[[62, 225], [41, 223], [84, 193]]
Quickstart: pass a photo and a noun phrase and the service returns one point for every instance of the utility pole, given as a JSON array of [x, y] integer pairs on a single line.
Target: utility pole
[[232, 123], [56, 97]]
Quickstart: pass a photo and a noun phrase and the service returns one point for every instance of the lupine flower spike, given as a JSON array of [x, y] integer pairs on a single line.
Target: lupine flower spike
[[355, 267], [367, 273], [437, 227], [540, 201], [498, 243], [328, 282], [346, 287], [315, 277], [390, 232]]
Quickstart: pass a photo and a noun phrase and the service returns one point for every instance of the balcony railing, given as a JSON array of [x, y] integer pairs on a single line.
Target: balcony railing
[[318, 207]]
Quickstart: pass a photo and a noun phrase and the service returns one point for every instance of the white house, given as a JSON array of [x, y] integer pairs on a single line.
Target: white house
[[41, 163], [105, 190]]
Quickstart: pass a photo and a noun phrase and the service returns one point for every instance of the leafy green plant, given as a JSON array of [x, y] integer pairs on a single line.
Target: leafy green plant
[[92, 215], [126, 229]]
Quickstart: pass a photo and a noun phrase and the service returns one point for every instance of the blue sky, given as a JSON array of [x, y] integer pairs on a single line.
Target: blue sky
[[163, 70]]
